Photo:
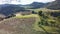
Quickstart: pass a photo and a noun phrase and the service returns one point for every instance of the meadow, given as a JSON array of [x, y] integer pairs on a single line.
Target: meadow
[[46, 22], [39, 22]]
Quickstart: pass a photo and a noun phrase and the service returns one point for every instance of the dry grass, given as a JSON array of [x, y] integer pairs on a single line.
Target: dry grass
[[17, 26]]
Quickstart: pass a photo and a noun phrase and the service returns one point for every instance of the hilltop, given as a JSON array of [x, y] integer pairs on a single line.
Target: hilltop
[[17, 26]]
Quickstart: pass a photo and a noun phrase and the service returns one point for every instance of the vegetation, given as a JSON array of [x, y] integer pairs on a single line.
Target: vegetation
[[26, 16], [41, 21], [8, 9], [44, 23]]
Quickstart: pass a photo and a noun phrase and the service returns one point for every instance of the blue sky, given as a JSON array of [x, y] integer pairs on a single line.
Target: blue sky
[[22, 1]]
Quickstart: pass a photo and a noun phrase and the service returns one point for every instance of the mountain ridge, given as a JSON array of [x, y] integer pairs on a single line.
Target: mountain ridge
[[55, 5]]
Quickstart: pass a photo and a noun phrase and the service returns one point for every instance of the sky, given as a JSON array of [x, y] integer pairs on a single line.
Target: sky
[[23, 1]]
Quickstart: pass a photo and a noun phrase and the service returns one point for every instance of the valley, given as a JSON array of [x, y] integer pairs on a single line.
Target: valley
[[34, 18]]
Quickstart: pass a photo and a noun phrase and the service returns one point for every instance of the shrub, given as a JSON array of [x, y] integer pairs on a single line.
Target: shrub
[[40, 13]]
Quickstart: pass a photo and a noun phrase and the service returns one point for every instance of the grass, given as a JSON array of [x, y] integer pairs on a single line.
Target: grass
[[50, 29], [47, 28], [44, 10], [26, 16], [36, 10], [35, 26]]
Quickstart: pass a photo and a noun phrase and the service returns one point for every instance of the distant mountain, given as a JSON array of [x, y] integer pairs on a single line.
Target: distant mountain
[[8, 9], [34, 5], [54, 5], [37, 5]]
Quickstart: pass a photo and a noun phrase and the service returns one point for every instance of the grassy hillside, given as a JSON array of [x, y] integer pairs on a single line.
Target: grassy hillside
[[32, 24], [19, 25], [47, 21], [26, 16], [44, 10]]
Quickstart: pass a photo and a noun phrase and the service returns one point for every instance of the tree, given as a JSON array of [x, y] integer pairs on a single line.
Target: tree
[[46, 23], [34, 12], [40, 13]]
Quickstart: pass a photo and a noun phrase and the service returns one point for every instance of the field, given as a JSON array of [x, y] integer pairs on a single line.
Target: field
[[17, 26], [36, 26], [47, 28], [30, 24], [26, 16]]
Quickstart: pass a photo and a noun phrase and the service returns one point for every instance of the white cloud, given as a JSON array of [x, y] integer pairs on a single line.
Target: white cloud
[[4, 1], [30, 1], [44, 1], [22, 1], [26, 1]]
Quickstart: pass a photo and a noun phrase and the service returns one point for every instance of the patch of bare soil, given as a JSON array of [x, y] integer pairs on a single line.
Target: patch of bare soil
[[17, 26]]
